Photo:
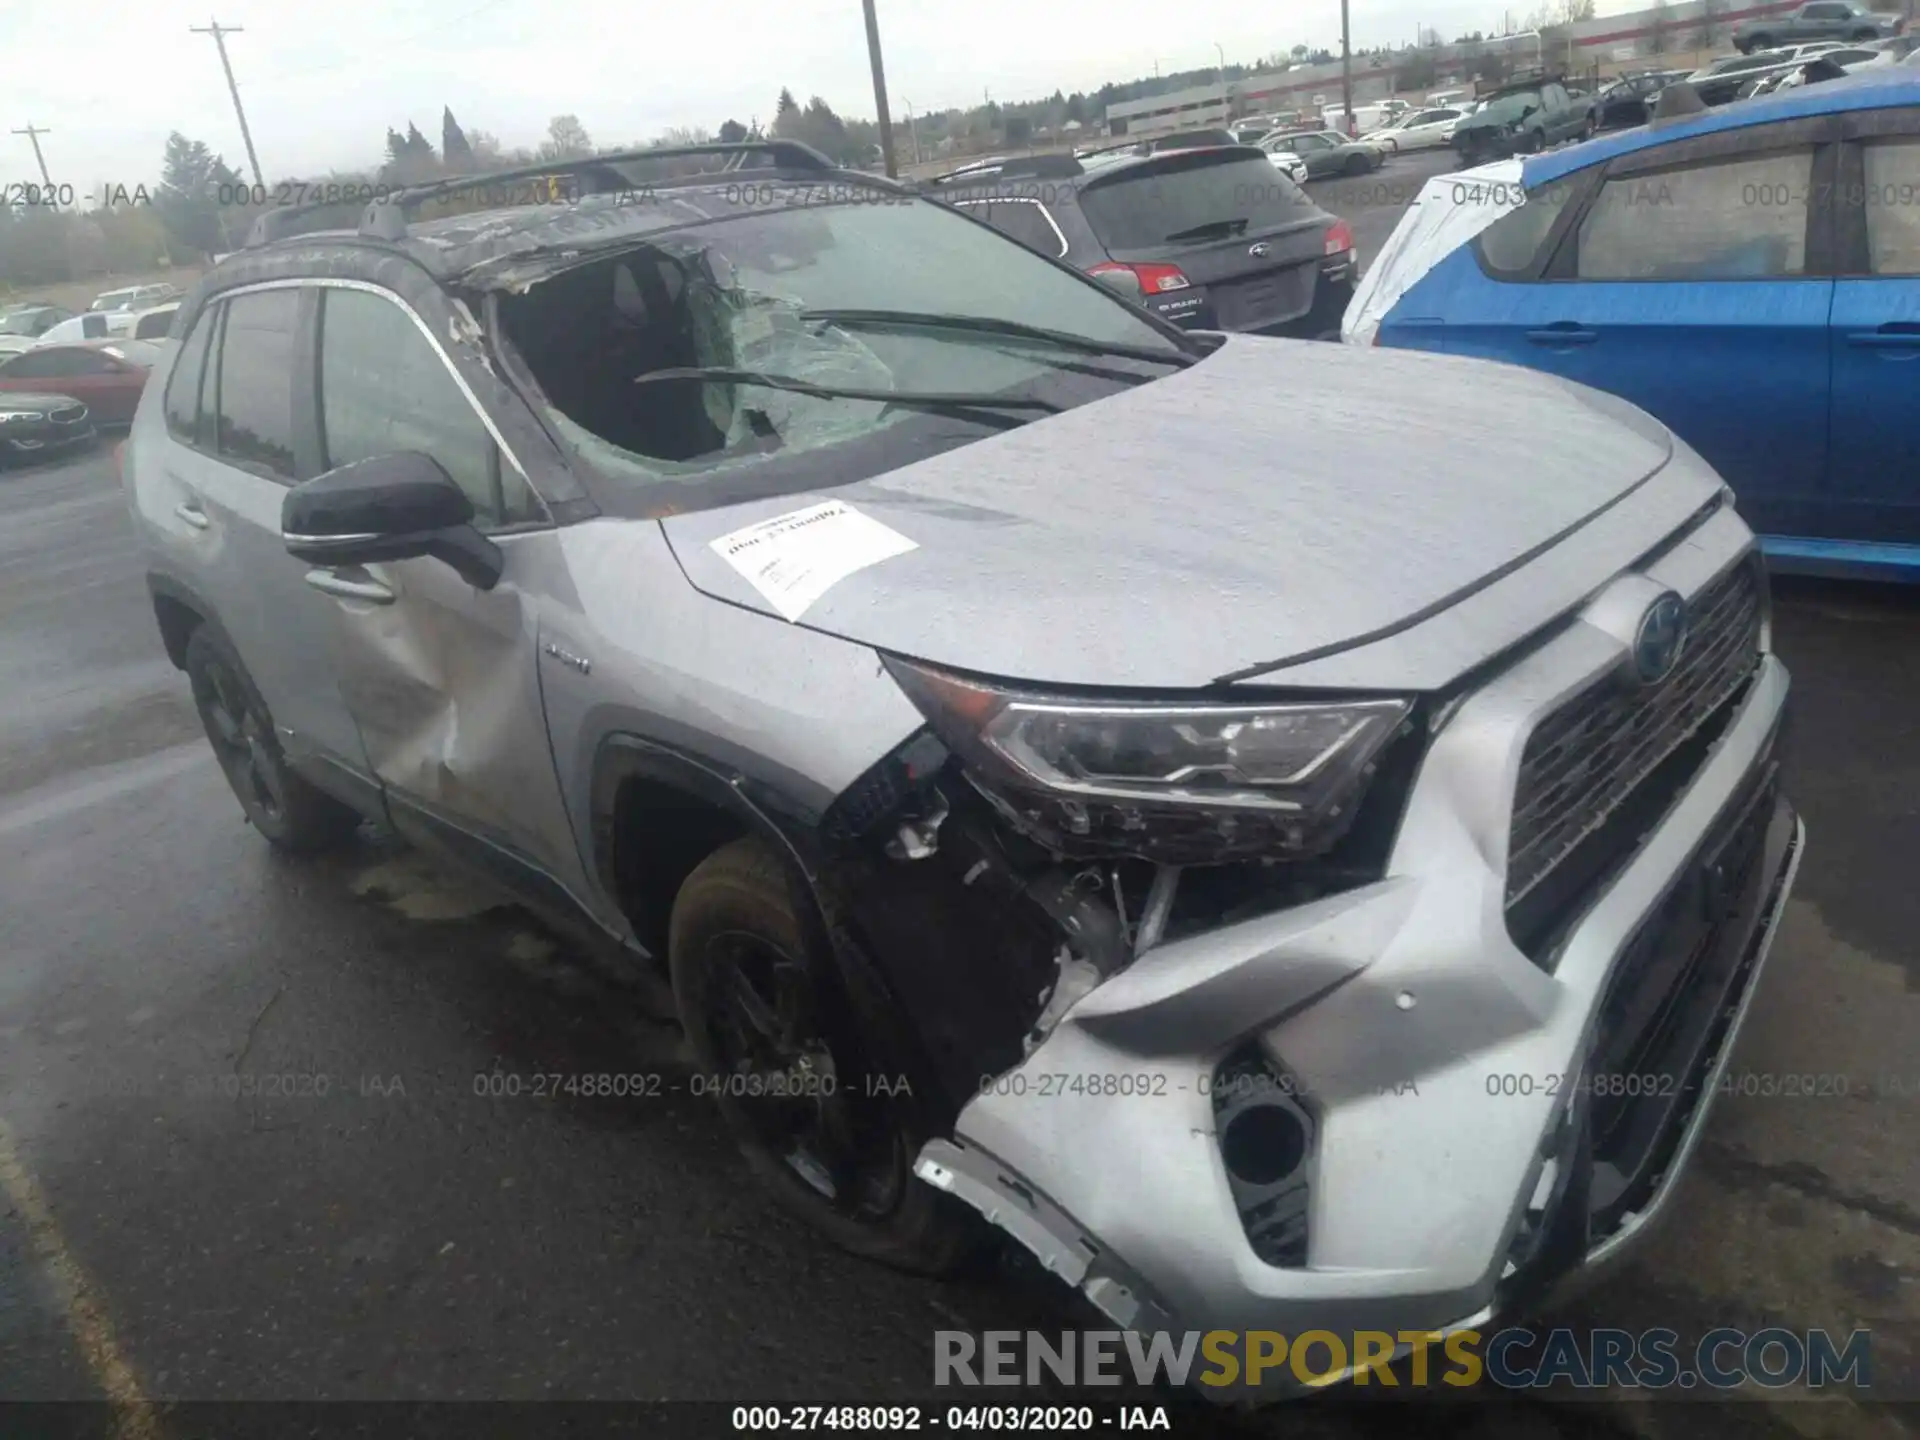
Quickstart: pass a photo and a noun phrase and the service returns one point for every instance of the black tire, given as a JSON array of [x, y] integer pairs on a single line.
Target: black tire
[[1359, 165], [1536, 141], [1757, 42], [283, 807], [735, 947]]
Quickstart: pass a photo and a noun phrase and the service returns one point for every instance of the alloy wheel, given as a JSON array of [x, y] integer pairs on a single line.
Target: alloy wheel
[[242, 739], [801, 1102]]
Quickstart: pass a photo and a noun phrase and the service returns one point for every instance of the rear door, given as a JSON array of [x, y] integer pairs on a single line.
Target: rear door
[[1245, 238], [1695, 280], [223, 480], [1875, 335]]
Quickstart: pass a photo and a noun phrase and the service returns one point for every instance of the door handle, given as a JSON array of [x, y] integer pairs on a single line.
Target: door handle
[[1563, 332], [1885, 338], [335, 583], [192, 514]]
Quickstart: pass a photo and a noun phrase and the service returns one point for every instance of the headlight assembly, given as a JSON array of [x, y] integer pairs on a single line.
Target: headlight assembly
[[1180, 783], [20, 417]]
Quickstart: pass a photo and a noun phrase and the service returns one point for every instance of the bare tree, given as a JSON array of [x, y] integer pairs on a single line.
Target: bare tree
[[1660, 29], [1707, 36], [567, 139]]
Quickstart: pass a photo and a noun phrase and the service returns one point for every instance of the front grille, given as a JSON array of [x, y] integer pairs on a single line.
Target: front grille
[[68, 414], [1585, 760]]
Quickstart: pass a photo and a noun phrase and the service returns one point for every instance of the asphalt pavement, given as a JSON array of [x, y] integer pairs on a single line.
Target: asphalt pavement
[[248, 1149]]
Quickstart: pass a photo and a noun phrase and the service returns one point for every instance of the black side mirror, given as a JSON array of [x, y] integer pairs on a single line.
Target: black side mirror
[[389, 507]]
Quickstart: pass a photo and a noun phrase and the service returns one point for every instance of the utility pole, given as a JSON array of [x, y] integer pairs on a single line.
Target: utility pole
[[1220, 75], [880, 91], [913, 133], [220, 33], [34, 132], [1346, 69]]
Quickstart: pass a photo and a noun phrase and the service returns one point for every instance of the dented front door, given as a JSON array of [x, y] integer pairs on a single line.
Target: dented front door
[[442, 681], [439, 676]]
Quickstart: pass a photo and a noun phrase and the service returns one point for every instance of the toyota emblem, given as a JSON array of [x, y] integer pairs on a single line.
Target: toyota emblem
[[1659, 639], [1257, 251]]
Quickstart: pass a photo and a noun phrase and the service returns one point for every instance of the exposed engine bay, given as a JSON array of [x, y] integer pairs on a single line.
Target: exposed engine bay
[[991, 923]]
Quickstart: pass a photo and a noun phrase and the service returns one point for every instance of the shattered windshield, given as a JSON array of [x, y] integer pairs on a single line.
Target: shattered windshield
[[879, 295]]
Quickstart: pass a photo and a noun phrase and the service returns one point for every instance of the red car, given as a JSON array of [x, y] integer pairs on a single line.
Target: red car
[[107, 376]]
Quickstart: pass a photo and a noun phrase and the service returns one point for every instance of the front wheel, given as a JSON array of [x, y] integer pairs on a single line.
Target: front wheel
[[292, 814], [792, 1058], [1358, 165]]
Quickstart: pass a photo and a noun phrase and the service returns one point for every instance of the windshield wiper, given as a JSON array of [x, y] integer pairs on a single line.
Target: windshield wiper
[[986, 325], [1212, 230], [920, 399]]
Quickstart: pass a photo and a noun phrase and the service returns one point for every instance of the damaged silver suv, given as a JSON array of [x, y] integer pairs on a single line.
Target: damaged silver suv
[[1115, 781]]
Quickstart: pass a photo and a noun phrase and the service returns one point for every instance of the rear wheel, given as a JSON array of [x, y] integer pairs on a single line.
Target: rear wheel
[[283, 807], [1758, 42], [794, 1060]]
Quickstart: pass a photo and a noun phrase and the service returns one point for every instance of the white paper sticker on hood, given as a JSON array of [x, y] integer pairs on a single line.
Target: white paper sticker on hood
[[794, 559]]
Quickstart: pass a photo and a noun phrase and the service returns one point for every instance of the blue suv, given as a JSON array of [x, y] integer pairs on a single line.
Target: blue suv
[[1750, 276]]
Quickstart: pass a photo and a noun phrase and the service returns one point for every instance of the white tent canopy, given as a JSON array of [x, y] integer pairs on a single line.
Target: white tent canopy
[[1449, 211]]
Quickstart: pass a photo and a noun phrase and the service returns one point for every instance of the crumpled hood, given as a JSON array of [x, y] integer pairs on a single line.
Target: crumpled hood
[[1278, 500]]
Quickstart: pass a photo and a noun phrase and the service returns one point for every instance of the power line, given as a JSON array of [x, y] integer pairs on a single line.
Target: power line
[[220, 33], [34, 132]]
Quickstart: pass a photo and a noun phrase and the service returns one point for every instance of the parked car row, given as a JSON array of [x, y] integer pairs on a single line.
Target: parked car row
[[1701, 269]]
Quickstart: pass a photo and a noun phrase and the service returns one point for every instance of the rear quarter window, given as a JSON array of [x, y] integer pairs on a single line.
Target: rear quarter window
[[1515, 245], [183, 385], [1141, 209]]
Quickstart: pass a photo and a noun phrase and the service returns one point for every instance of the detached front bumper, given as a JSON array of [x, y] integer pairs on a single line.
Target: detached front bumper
[[1481, 1128]]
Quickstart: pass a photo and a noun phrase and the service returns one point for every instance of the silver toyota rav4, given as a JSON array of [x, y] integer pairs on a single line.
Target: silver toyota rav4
[[1120, 782]]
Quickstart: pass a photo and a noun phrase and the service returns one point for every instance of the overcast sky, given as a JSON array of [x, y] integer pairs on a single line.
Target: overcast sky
[[322, 82]]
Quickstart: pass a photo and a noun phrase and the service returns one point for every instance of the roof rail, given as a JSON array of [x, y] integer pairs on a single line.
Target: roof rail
[[277, 223], [1025, 167], [1518, 77], [386, 218]]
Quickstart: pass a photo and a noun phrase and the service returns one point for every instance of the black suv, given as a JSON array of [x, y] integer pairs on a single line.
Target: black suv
[[1213, 238]]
